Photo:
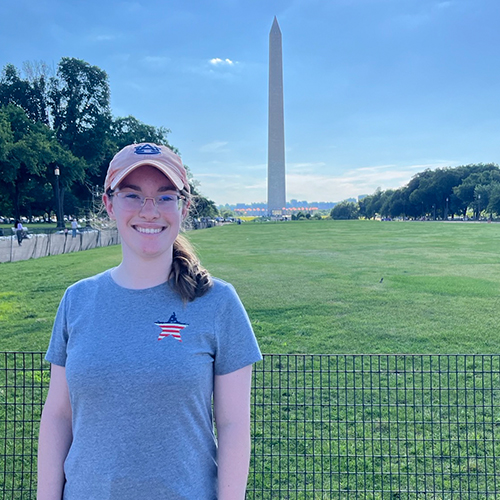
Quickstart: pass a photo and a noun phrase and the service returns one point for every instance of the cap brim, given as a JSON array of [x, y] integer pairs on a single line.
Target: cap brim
[[172, 176]]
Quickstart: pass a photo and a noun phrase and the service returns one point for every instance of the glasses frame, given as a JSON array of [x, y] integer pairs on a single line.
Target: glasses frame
[[154, 199]]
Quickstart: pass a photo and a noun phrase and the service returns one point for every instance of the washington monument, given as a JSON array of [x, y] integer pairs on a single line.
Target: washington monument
[[276, 191]]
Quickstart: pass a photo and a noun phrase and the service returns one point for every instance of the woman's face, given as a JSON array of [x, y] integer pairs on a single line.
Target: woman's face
[[146, 232]]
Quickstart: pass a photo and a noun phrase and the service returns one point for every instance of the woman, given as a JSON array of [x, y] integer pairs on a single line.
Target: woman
[[137, 353]]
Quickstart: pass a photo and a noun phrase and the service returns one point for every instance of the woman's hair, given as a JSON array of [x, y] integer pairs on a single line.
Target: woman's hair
[[188, 277]]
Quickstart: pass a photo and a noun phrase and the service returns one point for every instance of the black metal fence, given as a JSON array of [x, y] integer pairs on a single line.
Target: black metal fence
[[325, 426]]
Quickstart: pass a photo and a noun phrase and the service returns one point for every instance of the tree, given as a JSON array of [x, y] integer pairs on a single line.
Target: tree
[[203, 207], [130, 130], [30, 153], [79, 102], [29, 93], [345, 210], [473, 192], [494, 199], [62, 119], [372, 204]]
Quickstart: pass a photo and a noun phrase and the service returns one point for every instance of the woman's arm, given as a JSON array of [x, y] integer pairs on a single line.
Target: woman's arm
[[55, 437], [232, 418]]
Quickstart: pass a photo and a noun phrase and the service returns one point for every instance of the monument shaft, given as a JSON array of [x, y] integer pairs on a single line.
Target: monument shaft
[[276, 190]]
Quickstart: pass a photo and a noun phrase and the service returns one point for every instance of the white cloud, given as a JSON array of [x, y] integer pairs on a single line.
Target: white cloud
[[221, 62], [352, 183], [304, 181], [215, 146], [444, 5]]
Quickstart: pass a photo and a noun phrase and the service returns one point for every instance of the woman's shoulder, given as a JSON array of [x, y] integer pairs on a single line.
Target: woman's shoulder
[[85, 285], [220, 286], [221, 291]]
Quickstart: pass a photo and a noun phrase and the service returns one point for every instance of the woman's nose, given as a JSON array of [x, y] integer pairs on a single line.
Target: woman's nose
[[149, 208]]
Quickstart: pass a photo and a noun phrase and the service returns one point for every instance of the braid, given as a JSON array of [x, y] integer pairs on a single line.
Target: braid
[[190, 278]]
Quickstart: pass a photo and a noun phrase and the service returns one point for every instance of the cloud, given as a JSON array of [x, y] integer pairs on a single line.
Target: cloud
[[216, 68], [444, 5], [221, 62], [304, 167], [215, 146], [305, 181], [352, 183]]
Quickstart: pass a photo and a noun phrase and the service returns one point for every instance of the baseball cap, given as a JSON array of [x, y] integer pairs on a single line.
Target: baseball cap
[[136, 155]]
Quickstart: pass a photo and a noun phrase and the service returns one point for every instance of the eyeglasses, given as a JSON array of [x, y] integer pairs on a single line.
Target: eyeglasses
[[133, 201]]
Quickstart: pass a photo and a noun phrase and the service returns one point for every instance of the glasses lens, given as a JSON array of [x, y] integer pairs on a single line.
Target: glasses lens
[[130, 201], [134, 201], [166, 199]]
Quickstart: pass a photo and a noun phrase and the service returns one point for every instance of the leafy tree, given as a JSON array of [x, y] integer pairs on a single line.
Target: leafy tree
[[345, 210], [31, 153], [494, 199], [130, 130], [29, 93], [203, 207], [473, 192], [62, 119], [372, 204], [227, 213], [79, 103], [440, 192]]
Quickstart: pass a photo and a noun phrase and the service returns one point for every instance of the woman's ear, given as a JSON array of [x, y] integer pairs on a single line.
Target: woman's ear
[[108, 203]]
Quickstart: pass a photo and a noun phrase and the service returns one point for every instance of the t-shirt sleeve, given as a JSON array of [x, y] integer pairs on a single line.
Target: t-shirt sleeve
[[56, 352], [236, 343]]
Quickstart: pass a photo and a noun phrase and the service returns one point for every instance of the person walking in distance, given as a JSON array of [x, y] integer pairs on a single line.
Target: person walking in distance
[[140, 352], [19, 232]]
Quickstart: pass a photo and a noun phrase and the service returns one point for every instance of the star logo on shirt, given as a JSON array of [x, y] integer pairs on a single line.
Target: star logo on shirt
[[172, 327]]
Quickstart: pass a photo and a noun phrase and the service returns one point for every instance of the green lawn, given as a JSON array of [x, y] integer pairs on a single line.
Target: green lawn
[[390, 426], [312, 286]]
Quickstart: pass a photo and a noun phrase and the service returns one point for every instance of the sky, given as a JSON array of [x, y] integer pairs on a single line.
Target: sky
[[375, 91]]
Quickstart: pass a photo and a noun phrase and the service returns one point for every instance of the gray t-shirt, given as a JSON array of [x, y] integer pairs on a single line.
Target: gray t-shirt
[[140, 366]]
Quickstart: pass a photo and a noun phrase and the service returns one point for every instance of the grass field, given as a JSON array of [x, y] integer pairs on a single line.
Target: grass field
[[389, 425], [312, 286]]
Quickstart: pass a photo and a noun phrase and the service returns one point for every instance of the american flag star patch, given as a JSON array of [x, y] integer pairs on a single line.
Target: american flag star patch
[[172, 327]]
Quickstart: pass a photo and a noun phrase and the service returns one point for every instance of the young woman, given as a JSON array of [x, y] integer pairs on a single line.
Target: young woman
[[139, 353]]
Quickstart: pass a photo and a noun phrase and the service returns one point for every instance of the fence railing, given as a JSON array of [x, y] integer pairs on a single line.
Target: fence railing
[[45, 244], [325, 426]]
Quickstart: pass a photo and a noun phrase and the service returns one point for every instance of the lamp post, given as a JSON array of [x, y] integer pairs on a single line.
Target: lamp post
[[446, 213], [60, 222], [478, 207]]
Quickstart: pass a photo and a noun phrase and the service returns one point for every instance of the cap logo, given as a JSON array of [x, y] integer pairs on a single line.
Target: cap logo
[[147, 149]]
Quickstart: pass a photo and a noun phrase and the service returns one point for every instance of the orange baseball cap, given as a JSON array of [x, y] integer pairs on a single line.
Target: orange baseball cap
[[136, 155]]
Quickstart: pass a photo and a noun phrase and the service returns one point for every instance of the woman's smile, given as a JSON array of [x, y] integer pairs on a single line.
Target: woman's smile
[[148, 230]]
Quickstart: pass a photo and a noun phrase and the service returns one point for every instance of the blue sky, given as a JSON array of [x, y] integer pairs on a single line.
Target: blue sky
[[375, 90]]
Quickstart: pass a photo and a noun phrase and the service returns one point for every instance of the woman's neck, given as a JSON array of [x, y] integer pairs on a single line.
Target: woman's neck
[[139, 274]]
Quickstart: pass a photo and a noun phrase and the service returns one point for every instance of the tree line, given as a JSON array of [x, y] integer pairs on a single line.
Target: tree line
[[442, 193], [58, 135]]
